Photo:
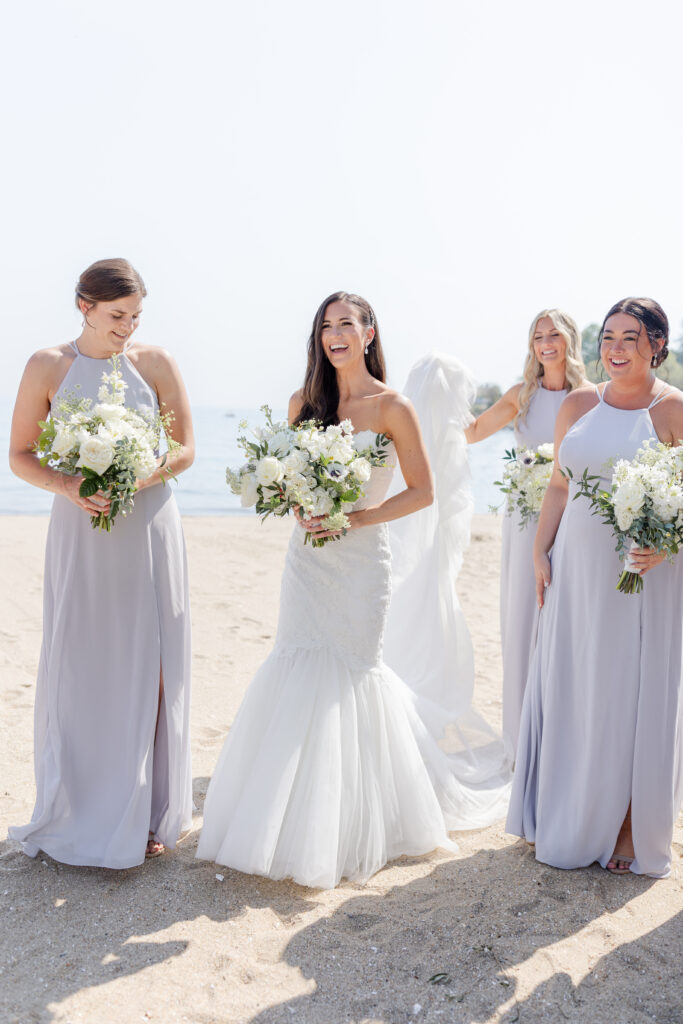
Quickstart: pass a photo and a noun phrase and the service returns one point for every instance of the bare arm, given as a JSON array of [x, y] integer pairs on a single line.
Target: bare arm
[[555, 500], [496, 417], [400, 422], [44, 372], [667, 418], [160, 369]]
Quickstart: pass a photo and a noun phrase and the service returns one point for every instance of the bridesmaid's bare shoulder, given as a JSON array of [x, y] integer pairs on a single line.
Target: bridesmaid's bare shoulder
[[667, 416], [48, 366], [577, 403]]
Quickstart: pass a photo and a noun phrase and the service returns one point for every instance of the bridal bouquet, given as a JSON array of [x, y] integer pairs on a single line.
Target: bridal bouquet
[[525, 480], [644, 505], [110, 446], [318, 469]]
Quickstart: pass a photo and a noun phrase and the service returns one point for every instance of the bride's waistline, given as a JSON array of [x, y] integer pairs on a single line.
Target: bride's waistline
[[351, 660]]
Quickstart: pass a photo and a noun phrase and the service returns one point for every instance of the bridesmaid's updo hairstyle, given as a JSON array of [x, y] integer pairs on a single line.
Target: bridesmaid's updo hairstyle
[[107, 280], [574, 371], [320, 390], [652, 317]]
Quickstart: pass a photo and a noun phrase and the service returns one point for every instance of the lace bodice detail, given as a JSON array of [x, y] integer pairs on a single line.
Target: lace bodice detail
[[336, 597]]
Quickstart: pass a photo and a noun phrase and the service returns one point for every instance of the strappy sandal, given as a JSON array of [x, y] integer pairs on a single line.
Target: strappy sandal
[[154, 848], [617, 859]]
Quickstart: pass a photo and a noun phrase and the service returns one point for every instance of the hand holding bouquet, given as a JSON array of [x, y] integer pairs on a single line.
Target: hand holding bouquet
[[644, 505], [318, 470], [525, 480], [110, 446]]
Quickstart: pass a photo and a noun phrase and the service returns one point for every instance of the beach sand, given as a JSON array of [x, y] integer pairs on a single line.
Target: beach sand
[[485, 935]]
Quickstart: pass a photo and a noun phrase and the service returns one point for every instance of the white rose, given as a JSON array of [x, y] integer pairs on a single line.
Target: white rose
[[294, 463], [546, 451], [361, 469], [97, 454], [280, 443], [64, 442], [248, 490], [322, 503], [269, 471]]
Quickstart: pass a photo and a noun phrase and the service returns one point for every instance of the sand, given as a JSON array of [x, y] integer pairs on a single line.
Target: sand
[[486, 935]]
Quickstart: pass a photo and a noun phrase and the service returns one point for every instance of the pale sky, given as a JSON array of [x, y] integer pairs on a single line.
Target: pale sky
[[460, 164]]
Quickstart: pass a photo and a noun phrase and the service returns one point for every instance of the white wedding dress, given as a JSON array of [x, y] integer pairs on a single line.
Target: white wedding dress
[[329, 769]]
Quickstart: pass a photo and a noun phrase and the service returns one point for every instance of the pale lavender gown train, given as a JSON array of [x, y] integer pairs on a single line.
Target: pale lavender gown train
[[602, 722], [518, 606], [115, 609]]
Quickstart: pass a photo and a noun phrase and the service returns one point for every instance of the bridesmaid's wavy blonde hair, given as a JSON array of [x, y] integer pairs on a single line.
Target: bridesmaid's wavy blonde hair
[[574, 372]]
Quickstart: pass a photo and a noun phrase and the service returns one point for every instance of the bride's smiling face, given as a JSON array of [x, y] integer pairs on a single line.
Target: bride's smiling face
[[343, 334]]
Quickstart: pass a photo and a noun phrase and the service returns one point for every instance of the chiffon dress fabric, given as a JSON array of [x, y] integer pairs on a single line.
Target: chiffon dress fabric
[[602, 721], [115, 611], [328, 770], [518, 606]]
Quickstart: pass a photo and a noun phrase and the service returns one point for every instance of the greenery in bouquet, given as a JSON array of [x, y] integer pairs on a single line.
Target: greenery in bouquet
[[319, 470], [526, 476], [110, 446], [643, 504]]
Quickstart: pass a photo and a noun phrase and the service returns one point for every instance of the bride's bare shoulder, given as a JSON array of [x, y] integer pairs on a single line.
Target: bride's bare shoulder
[[395, 410], [295, 406]]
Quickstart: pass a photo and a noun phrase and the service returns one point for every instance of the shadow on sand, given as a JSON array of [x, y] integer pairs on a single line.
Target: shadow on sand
[[93, 920], [449, 942]]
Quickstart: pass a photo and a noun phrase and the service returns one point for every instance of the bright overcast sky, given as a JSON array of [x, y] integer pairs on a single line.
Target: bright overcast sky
[[461, 164]]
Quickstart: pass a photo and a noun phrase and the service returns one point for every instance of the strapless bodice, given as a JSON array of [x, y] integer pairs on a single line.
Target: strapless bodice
[[377, 486]]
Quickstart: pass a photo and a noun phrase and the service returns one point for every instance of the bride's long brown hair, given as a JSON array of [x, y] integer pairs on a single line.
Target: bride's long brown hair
[[320, 390]]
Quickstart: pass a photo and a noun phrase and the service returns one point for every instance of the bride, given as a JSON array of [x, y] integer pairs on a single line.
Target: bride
[[329, 769]]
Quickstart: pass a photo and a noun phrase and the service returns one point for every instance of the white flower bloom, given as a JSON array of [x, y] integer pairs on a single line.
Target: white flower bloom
[[248, 490], [295, 462], [280, 443], [335, 471], [546, 451], [321, 503], [361, 469], [269, 470], [341, 450], [107, 411], [144, 464], [97, 454], [346, 426], [64, 442]]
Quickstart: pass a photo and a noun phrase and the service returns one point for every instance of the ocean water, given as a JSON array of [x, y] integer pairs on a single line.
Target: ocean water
[[202, 490]]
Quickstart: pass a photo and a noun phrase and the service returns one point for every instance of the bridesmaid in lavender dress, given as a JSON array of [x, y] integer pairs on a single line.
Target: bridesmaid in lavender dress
[[599, 773], [111, 757], [553, 367]]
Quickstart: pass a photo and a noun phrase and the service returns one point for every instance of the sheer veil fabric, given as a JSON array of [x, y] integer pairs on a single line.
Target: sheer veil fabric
[[427, 641]]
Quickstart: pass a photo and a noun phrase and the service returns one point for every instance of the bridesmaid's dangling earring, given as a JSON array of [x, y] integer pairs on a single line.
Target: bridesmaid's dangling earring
[[367, 349]]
